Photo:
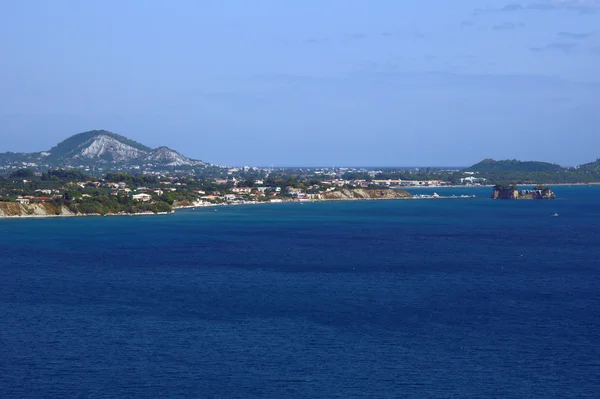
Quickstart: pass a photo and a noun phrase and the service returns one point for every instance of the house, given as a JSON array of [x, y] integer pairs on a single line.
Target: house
[[472, 180], [142, 197], [388, 182], [23, 201], [241, 190], [229, 197]]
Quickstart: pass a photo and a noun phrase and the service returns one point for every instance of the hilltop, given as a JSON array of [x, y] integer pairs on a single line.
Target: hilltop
[[531, 172], [490, 165], [102, 149], [592, 167], [98, 145]]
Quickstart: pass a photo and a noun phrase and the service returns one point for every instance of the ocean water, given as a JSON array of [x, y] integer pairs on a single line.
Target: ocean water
[[467, 298]]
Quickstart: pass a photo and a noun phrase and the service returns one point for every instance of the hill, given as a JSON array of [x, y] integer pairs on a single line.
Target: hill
[[591, 167], [167, 156], [98, 145], [506, 166], [103, 149]]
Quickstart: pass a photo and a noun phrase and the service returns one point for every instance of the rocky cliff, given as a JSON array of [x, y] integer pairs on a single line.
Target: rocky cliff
[[361, 193], [48, 209], [11, 209], [512, 192]]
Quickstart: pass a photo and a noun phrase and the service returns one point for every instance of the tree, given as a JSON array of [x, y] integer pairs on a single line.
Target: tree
[[21, 174]]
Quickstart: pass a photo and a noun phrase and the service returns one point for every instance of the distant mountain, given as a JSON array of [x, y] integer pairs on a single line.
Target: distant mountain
[[591, 167], [492, 166], [169, 157], [98, 145], [11, 157], [102, 148]]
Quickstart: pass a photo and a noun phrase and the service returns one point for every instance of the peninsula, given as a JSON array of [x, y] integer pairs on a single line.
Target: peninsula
[[71, 193]]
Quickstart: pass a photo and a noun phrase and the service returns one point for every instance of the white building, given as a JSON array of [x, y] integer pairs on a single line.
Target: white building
[[472, 180], [142, 197]]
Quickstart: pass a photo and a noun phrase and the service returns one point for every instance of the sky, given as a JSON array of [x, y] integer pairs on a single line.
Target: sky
[[308, 82]]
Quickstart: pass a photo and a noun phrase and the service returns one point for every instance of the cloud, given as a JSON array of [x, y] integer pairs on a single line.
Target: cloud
[[513, 7], [316, 40], [415, 34], [575, 3], [467, 24], [356, 36], [571, 35], [580, 6], [508, 26], [566, 48]]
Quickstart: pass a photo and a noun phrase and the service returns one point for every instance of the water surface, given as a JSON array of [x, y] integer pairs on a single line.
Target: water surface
[[465, 298]]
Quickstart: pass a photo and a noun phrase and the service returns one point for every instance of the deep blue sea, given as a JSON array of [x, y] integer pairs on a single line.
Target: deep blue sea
[[464, 298]]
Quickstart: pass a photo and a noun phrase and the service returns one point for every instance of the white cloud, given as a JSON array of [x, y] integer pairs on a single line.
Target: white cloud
[[583, 6]]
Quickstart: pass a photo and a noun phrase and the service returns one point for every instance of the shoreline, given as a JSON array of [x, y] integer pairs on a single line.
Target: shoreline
[[76, 215], [492, 185], [175, 209]]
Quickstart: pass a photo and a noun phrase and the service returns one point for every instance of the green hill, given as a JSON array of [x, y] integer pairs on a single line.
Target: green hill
[[593, 167], [506, 166]]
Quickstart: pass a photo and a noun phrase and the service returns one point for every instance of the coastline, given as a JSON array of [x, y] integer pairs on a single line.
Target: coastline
[[176, 208], [75, 215], [492, 185], [203, 205]]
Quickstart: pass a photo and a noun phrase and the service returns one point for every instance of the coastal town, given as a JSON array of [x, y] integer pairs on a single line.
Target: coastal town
[[100, 172], [74, 192]]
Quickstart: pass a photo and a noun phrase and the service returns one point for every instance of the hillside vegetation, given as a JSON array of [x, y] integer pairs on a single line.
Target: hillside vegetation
[[490, 165], [533, 172], [592, 167]]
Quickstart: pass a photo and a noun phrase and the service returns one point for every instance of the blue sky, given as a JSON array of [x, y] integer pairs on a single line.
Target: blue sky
[[335, 82]]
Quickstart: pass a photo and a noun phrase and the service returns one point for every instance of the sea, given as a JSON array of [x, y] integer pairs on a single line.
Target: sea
[[431, 298]]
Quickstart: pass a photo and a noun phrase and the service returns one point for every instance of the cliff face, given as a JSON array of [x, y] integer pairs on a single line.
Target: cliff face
[[11, 209], [360, 193], [513, 193], [45, 209], [505, 193], [546, 193]]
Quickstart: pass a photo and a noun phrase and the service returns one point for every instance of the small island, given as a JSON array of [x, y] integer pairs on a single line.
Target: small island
[[511, 191]]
